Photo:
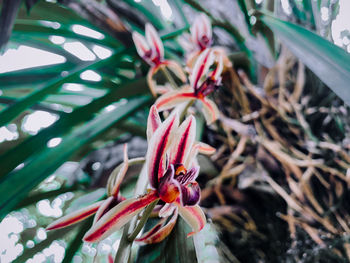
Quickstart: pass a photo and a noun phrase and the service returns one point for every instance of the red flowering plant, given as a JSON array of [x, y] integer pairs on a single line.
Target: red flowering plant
[[172, 170]]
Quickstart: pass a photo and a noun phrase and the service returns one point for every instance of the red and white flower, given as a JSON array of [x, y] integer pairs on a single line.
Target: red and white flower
[[151, 50], [98, 208], [172, 172], [203, 81]]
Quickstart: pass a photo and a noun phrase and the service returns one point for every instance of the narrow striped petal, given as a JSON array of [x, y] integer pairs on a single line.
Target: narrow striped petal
[[121, 174], [140, 43], [154, 41], [75, 217], [167, 210], [157, 147], [210, 110], [150, 82], [194, 216], [206, 28], [216, 73], [184, 139], [153, 122], [195, 30], [173, 98], [107, 205], [175, 68], [201, 67], [118, 216], [204, 148], [159, 232]]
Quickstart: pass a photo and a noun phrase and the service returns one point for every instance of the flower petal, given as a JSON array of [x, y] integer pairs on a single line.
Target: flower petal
[[166, 210], [169, 188], [204, 148], [75, 217], [154, 40], [120, 176], [107, 205], [189, 176], [176, 68], [118, 216], [150, 82], [173, 98], [206, 29], [194, 216], [201, 67], [153, 122], [159, 232], [216, 73], [110, 258], [210, 110], [190, 193], [140, 43], [183, 141], [157, 147]]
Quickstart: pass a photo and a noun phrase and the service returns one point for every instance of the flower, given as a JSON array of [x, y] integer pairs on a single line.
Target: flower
[[201, 32], [172, 172], [202, 83], [101, 207], [151, 50]]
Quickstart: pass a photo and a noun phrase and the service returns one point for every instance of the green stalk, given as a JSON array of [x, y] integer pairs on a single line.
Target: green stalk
[[143, 221]]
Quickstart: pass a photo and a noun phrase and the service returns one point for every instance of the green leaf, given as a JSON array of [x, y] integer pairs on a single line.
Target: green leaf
[[15, 186], [12, 111], [20, 153], [176, 248], [328, 61]]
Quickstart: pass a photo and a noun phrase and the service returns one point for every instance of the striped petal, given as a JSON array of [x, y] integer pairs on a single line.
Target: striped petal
[[194, 216], [75, 217], [183, 142], [141, 44], [210, 110], [158, 145], [121, 174], [173, 98], [206, 29], [175, 68], [154, 41], [107, 205], [201, 67], [159, 232], [118, 216], [204, 148], [216, 73], [153, 122], [152, 85]]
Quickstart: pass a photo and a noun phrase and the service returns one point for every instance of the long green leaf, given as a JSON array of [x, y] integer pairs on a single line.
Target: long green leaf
[[15, 186], [18, 154], [328, 61], [11, 112]]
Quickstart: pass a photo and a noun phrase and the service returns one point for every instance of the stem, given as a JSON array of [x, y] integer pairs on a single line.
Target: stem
[[169, 77], [143, 221]]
